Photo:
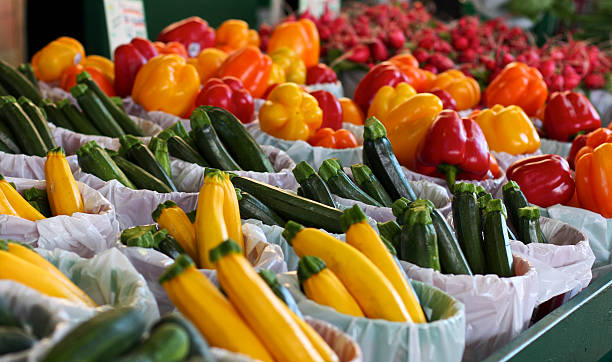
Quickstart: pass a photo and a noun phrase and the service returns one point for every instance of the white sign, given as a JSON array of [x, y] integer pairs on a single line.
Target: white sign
[[125, 19], [317, 7]]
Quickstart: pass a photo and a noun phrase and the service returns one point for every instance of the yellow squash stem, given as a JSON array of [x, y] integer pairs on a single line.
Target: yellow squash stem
[[16, 269], [210, 228], [367, 284], [32, 257], [210, 311], [315, 338], [172, 218], [263, 311], [365, 239], [19, 204], [231, 212], [322, 286], [5, 206], [62, 189]]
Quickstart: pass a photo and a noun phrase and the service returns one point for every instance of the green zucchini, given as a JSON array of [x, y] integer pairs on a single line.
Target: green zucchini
[[252, 208], [39, 120], [17, 84], [466, 219], [14, 339], [138, 153], [179, 129], [55, 115], [312, 184], [95, 110], [28, 72], [141, 236], [80, 123], [197, 344], [391, 231], [240, 143], [29, 139], [514, 199], [141, 178], [38, 198], [529, 229], [292, 207], [366, 180], [418, 240], [169, 342], [4, 91], [7, 140], [192, 215], [107, 335], [208, 142], [124, 121], [283, 293], [340, 184], [167, 244], [300, 192], [379, 156], [480, 191], [7, 318], [159, 148], [118, 102], [496, 241], [93, 159], [177, 147]]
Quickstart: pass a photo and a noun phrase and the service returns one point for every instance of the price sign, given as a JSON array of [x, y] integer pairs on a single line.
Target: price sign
[[317, 7], [125, 19]]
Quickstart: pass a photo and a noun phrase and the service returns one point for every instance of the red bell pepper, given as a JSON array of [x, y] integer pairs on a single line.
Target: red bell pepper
[[332, 110], [320, 73], [545, 180], [453, 148], [448, 102], [577, 144], [568, 114], [228, 93], [128, 60], [380, 75], [327, 137], [194, 33]]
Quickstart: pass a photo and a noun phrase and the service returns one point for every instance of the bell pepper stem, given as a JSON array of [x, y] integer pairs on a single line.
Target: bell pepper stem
[[450, 171]]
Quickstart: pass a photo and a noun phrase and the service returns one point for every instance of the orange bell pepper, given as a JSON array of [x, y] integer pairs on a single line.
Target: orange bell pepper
[[50, 62], [592, 140], [290, 113], [464, 90], [234, 34], [208, 62], [329, 138], [518, 84], [417, 78], [105, 65], [507, 129], [167, 83], [350, 112], [172, 47], [407, 125], [68, 79], [251, 67], [387, 98], [593, 180], [300, 36]]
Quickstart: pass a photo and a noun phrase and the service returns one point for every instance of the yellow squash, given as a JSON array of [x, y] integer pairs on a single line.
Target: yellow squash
[[5, 206], [19, 204], [19, 270], [210, 228], [231, 212], [204, 305], [260, 307], [172, 218], [315, 338], [321, 285], [62, 190], [365, 239], [32, 257], [367, 284]]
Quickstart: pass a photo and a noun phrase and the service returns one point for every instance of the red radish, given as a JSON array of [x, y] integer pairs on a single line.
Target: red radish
[[547, 68], [378, 50], [359, 53], [460, 43], [421, 55], [594, 81], [430, 67], [396, 38]]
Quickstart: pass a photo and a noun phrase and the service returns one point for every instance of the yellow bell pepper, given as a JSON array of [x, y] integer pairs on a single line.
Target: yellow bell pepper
[[104, 65], [407, 125], [387, 98], [508, 129], [50, 62], [464, 90], [290, 113], [208, 62], [287, 67], [167, 83]]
